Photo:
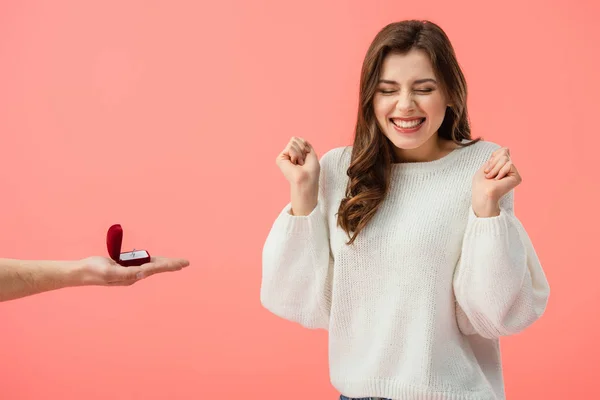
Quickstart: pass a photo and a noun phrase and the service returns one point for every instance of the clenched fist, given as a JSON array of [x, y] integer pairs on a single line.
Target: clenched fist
[[300, 166], [299, 163], [495, 178]]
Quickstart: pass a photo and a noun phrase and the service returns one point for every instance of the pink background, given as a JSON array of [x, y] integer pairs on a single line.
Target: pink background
[[166, 117]]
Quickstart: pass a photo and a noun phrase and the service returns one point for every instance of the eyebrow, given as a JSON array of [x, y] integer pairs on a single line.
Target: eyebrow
[[418, 81]]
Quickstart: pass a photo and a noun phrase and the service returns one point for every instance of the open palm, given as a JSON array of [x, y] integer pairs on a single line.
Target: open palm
[[105, 271]]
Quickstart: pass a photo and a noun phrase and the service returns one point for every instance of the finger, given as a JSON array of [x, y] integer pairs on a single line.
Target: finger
[[302, 144], [160, 264], [497, 167], [494, 169], [286, 150], [294, 154], [180, 262], [501, 151], [504, 170], [163, 259], [309, 147], [489, 164], [494, 157], [298, 154], [298, 140]]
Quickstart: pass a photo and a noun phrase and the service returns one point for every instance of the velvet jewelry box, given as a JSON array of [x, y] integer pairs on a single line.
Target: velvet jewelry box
[[114, 240]]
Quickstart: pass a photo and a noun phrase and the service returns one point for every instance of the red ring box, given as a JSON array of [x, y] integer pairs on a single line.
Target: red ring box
[[114, 240]]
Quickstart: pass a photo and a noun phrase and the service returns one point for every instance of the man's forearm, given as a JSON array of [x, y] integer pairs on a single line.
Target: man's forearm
[[20, 278]]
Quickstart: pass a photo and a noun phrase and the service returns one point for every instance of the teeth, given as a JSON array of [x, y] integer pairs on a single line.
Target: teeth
[[407, 124]]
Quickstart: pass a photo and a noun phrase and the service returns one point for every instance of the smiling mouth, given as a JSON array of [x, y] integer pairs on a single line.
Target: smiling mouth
[[407, 124]]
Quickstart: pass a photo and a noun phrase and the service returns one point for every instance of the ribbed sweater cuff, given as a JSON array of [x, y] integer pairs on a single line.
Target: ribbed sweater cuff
[[295, 224], [482, 226]]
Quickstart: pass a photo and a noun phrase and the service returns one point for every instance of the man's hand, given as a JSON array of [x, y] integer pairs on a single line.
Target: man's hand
[[103, 271], [21, 278]]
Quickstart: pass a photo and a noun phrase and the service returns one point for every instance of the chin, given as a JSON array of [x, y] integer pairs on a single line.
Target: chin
[[407, 142]]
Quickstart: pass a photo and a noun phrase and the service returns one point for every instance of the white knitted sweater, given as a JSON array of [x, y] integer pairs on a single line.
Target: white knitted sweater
[[414, 308]]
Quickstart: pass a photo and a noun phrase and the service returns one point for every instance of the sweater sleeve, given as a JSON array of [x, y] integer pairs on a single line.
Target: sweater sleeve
[[297, 266], [499, 284]]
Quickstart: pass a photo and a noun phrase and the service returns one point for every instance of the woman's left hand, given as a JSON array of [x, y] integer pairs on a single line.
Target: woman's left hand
[[493, 180]]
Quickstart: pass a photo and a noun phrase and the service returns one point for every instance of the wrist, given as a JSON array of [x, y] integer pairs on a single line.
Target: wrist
[[304, 198], [305, 189], [486, 208], [76, 273]]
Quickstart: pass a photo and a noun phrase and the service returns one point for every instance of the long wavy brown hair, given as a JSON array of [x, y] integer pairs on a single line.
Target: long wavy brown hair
[[372, 152]]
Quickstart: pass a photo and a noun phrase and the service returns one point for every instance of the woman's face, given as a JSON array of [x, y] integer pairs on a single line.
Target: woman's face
[[409, 103]]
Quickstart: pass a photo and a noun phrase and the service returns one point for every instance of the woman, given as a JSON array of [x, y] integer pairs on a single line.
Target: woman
[[405, 246]]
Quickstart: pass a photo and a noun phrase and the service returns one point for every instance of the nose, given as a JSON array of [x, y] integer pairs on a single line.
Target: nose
[[405, 103]]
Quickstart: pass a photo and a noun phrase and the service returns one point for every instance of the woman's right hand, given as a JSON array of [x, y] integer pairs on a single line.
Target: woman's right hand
[[299, 163], [300, 166]]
